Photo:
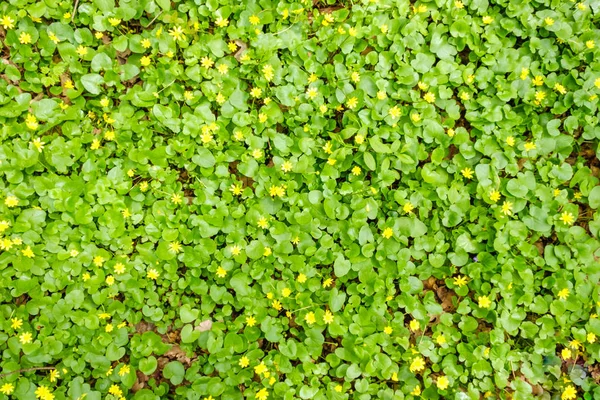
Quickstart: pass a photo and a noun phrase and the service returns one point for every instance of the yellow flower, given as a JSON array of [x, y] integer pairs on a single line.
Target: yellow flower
[[276, 191], [27, 252], [177, 33], [590, 44], [566, 353], [352, 103], [417, 390], [560, 88], [417, 365], [310, 318], [268, 72], [43, 393], [124, 370], [16, 323], [567, 218], [355, 77], [328, 317], [356, 170], [262, 394], [548, 21], [82, 51], [494, 195], [85, 277], [7, 22], [408, 207], [146, 43], [487, 20], [176, 198], [108, 328], [331, 161], [570, 393], [222, 68], [538, 80], [467, 173], [114, 21], [442, 382], [301, 278], [563, 294], [250, 321], [388, 330], [383, 28], [339, 388], [221, 22], [119, 268], [510, 141], [327, 282], [207, 62], [524, 73], [144, 186], [116, 390], [441, 340], [254, 20], [7, 388], [484, 301], [256, 92], [25, 337], [221, 272], [414, 325], [387, 233], [244, 362], [460, 281], [429, 97], [267, 252], [507, 208], [145, 61], [415, 117], [591, 337], [394, 112], [152, 274], [24, 38], [311, 93]]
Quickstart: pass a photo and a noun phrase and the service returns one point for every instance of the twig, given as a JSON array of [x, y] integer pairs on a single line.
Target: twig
[[154, 19], [74, 10], [25, 370]]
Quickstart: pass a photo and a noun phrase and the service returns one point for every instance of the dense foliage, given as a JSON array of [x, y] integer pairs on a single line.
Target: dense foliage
[[368, 199]]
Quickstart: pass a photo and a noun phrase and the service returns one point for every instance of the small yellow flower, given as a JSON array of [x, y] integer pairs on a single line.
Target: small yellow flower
[[16, 323], [563, 293], [524, 73], [254, 20], [244, 362], [394, 112], [417, 390], [591, 337], [415, 117], [566, 353], [7, 22], [221, 22], [460, 281], [176, 198], [114, 21], [25, 337], [414, 325], [494, 195], [352, 103], [548, 21], [387, 233], [570, 393], [356, 170], [24, 38], [7, 388], [250, 321], [487, 20], [538, 80], [507, 208], [510, 141], [417, 365], [328, 317], [441, 340], [27, 252], [310, 318], [276, 304], [484, 301], [301, 278], [590, 44], [82, 51], [152, 274], [429, 97], [567, 218], [442, 383], [355, 77], [235, 250], [467, 173], [388, 330], [177, 33], [221, 272]]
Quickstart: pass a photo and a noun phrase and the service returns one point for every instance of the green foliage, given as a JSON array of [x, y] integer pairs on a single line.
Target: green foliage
[[371, 199]]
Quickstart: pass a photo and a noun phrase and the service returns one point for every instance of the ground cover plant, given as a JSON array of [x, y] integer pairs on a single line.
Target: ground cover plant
[[276, 199]]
